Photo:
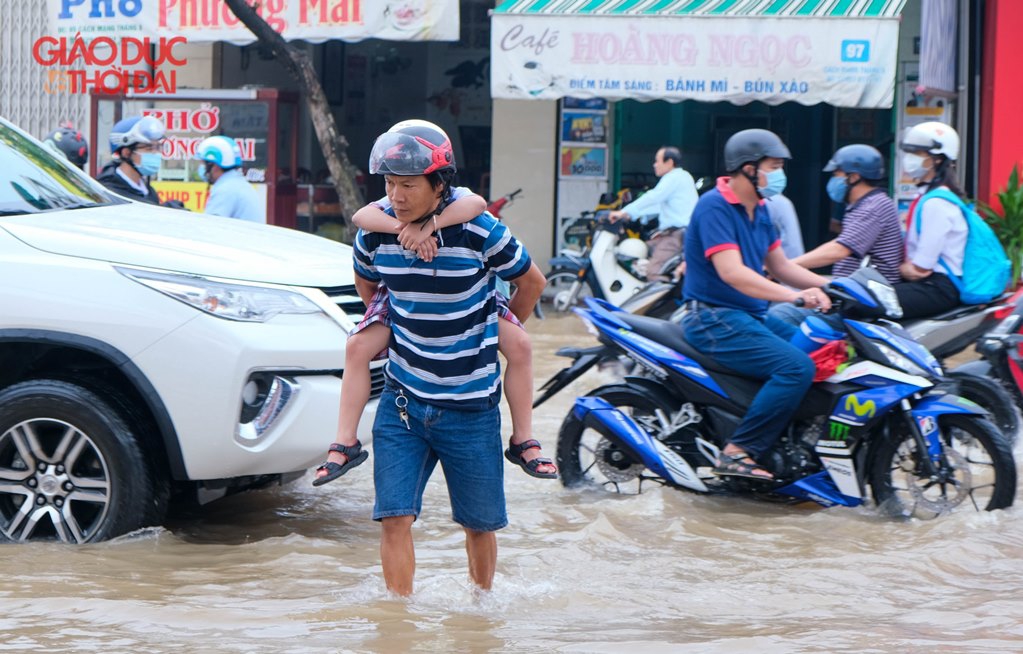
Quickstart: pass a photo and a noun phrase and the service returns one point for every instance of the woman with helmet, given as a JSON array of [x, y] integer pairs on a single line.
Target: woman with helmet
[[936, 228], [70, 143], [729, 243], [870, 227], [443, 386], [230, 194], [135, 145]]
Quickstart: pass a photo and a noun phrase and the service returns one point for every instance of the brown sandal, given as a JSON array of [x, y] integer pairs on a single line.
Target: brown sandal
[[741, 465]]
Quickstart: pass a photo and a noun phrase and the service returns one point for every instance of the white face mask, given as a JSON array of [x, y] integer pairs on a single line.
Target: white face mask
[[913, 165]]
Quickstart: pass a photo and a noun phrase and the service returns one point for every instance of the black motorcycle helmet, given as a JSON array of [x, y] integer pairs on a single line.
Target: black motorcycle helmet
[[750, 146], [858, 158], [69, 142]]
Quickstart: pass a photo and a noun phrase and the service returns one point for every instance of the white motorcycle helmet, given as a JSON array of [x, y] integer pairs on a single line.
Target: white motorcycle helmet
[[632, 248], [932, 137], [632, 255]]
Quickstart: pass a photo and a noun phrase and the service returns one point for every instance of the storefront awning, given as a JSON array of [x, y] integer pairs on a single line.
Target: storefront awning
[[841, 52]]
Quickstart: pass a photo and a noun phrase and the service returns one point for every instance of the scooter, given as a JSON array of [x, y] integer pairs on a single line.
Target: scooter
[[884, 419], [1001, 351], [604, 269], [495, 207]]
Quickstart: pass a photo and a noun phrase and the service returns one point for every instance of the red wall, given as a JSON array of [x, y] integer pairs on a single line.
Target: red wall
[[1001, 110]]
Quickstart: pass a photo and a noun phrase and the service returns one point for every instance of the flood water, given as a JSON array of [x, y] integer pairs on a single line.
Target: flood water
[[297, 569]]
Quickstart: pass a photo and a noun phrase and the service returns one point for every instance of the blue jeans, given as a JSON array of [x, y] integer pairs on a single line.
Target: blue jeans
[[468, 446], [742, 342]]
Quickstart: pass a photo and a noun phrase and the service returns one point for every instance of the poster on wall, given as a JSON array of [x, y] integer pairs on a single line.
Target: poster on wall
[[583, 127], [583, 161]]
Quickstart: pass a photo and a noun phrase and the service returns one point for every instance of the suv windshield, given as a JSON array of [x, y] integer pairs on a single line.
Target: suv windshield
[[33, 179]]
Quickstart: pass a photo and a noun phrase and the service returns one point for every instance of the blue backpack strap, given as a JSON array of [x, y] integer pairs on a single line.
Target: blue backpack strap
[[941, 194]]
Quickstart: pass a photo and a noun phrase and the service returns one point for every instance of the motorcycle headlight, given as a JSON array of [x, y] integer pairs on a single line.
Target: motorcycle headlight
[[887, 297], [231, 301], [901, 361]]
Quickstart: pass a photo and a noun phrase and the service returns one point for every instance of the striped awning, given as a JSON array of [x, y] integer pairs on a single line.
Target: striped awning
[[747, 8]]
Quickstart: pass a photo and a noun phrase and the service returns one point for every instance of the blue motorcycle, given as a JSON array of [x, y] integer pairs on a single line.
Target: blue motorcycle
[[885, 420]]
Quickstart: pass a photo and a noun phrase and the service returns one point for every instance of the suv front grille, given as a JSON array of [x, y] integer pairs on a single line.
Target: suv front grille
[[348, 299]]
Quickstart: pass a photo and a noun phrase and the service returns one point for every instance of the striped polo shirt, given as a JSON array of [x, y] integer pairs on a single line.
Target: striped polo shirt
[[443, 313], [870, 227]]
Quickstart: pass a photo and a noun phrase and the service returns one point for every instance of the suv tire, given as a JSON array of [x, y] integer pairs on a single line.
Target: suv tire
[[70, 467]]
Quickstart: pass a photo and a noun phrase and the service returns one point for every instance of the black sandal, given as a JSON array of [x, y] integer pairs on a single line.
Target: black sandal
[[741, 465], [514, 454], [355, 456]]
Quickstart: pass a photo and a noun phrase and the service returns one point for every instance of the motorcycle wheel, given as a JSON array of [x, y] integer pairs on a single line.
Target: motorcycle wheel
[[992, 396], [979, 471], [564, 291], [587, 458]]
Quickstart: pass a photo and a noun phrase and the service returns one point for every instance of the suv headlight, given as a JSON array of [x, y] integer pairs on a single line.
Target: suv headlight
[[231, 301]]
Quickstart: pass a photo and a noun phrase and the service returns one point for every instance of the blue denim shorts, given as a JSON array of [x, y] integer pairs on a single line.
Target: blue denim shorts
[[467, 444]]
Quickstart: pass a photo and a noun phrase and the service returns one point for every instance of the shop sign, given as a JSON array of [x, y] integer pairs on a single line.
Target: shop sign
[[212, 20], [203, 121], [194, 195], [845, 62]]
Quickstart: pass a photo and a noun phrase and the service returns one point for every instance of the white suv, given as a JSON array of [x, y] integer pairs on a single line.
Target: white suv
[[148, 354]]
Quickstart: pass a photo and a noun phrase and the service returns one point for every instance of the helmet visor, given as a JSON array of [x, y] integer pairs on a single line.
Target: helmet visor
[[395, 153]]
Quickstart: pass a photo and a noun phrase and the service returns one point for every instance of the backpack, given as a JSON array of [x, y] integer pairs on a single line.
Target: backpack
[[986, 269]]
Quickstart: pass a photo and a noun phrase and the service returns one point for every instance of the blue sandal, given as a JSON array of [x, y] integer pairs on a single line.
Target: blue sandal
[[514, 454], [355, 456]]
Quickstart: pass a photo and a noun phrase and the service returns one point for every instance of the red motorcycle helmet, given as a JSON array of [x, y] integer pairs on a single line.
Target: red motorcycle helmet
[[412, 147]]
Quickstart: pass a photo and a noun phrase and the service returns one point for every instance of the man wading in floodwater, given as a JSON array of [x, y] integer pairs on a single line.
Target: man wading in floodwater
[[443, 379]]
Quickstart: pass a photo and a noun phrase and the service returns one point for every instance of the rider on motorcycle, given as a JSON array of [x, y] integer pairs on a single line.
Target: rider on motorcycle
[[870, 227], [729, 242], [936, 245]]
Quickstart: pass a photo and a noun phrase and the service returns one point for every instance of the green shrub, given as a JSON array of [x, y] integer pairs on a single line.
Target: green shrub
[[1008, 222]]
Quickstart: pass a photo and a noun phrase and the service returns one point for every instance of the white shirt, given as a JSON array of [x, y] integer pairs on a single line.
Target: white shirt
[[943, 232], [783, 216], [673, 200]]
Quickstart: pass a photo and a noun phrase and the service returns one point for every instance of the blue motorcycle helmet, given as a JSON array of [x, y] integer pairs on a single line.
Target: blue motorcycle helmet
[[858, 158], [136, 130]]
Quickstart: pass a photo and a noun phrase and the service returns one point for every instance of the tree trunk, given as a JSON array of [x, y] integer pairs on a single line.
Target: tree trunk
[[333, 144]]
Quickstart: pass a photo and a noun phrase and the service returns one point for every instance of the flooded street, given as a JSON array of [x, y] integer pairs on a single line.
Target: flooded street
[[296, 569]]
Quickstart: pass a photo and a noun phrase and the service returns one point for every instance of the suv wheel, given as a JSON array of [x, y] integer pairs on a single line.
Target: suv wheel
[[70, 467]]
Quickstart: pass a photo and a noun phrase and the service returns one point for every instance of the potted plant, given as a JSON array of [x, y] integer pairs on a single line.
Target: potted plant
[[1007, 222]]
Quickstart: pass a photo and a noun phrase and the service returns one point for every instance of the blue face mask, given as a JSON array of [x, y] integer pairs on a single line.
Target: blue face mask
[[775, 183], [838, 190], [150, 163]]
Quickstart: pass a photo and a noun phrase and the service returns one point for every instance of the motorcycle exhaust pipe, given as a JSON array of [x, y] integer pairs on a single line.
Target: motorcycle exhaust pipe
[[598, 414]]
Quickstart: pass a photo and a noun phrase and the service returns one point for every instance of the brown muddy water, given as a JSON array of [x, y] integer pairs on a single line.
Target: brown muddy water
[[297, 570]]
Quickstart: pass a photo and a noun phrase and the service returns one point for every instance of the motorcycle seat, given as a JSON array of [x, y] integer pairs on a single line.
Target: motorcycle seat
[[670, 334], [963, 310]]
